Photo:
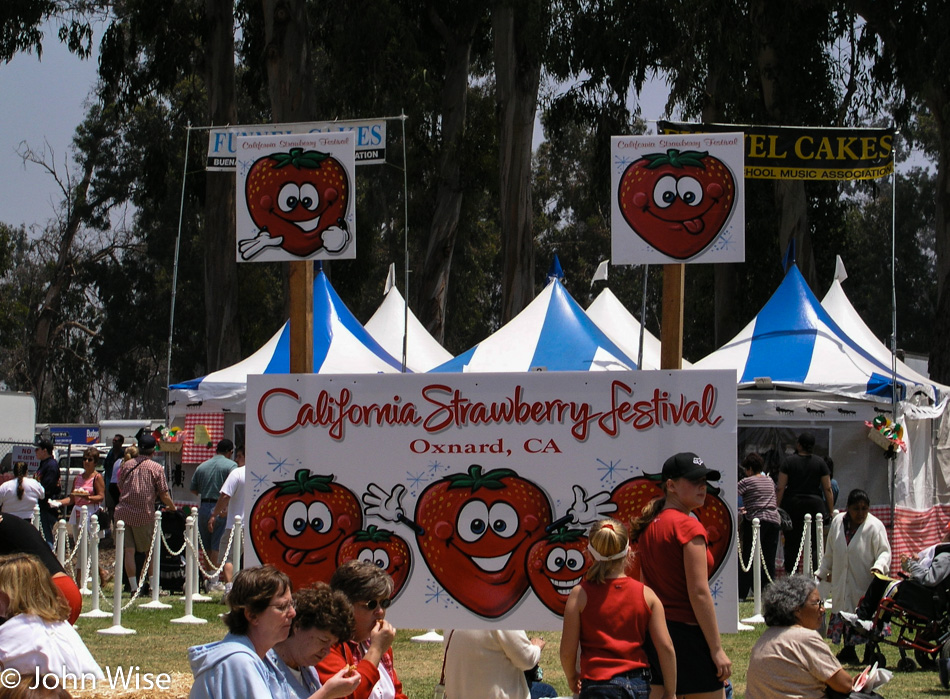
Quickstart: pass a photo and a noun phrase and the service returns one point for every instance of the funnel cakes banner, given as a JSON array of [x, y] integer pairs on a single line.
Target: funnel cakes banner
[[475, 491]]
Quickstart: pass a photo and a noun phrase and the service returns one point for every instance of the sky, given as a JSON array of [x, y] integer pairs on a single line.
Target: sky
[[41, 103]]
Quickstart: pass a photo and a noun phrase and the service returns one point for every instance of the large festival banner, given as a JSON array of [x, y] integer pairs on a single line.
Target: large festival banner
[[475, 491], [805, 153], [296, 197], [677, 199]]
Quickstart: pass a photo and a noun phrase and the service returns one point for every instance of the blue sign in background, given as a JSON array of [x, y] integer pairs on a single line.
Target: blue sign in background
[[74, 434]]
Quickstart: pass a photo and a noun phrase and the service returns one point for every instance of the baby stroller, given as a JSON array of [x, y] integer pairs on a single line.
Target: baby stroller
[[920, 622], [172, 572]]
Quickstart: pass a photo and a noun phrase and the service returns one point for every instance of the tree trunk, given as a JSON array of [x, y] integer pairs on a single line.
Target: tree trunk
[[790, 197], [290, 87], [442, 234], [220, 267], [517, 38], [938, 102]]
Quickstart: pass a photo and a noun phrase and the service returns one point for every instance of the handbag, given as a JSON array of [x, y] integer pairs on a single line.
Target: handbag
[[785, 520], [439, 691]]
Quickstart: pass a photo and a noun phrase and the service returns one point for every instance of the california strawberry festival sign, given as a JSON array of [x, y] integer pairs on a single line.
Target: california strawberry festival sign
[[370, 139], [475, 491], [295, 197], [806, 153], [677, 199]]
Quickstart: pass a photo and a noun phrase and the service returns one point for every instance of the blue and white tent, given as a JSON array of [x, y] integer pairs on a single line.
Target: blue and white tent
[[795, 342], [340, 346], [552, 333]]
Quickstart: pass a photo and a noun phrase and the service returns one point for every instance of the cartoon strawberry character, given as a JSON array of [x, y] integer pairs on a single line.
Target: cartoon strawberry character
[[381, 547], [298, 525], [474, 530], [677, 201], [556, 564], [298, 200], [633, 494]]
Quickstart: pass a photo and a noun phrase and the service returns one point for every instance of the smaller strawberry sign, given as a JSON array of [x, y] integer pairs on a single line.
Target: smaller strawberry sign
[[677, 198], [295, 197]]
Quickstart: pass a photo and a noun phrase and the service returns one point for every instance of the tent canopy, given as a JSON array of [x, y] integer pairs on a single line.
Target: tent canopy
[[392, 321], [795, 342], [839, 307], [623, 329], [340, 346], [552, 333]]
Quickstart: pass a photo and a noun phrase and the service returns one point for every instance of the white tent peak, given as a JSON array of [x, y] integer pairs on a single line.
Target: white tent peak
[[390, 324]]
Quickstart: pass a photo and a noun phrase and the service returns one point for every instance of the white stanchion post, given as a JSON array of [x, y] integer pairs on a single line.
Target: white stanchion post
[[156, 565], [807, 561], [238, 540], [820, 534], [95, 612], [117, 629], [756, 617], [59, 536], [189, 618], [197, 595], [83, 543], [37, 522]]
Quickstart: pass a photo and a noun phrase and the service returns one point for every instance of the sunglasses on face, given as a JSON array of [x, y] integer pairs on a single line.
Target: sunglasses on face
[[373, 603]]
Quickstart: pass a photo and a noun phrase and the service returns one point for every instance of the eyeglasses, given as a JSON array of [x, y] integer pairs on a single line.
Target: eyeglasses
[[87, 458], [816, 603], [283, 608], [373, 603]]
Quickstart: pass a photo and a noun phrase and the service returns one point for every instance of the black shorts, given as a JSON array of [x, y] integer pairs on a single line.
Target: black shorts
[[695, 670]]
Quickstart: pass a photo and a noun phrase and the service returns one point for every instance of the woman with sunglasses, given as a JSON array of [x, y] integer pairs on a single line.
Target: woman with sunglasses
[[244, 664], [89, 489], [368, 588]]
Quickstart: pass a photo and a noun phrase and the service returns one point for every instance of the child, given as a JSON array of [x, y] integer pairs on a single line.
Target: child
[[609, 616]]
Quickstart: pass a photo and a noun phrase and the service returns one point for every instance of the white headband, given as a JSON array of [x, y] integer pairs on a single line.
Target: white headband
[[600, 557]]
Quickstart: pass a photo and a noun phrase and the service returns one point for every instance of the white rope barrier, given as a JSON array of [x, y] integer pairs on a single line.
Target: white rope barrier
[[189, 617], [155, 553], [117, 629], [95, 612]]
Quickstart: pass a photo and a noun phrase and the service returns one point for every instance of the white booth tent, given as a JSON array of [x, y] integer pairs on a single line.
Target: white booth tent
[[552, 333], [623, 328], [393, 324], [798, 370], [340, 346]]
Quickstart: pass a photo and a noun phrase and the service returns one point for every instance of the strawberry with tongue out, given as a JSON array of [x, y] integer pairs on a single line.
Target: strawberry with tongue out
[[299, 525], [677, 201]]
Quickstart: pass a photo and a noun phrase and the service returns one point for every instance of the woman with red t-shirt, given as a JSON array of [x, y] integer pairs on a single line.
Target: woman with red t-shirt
[[675, 562], [609, 616]]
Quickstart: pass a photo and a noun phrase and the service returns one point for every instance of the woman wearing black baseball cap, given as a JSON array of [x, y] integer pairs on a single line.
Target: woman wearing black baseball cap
[[675, 562]]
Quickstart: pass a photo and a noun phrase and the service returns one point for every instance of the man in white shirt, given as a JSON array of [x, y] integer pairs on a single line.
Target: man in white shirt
[[231, 498]]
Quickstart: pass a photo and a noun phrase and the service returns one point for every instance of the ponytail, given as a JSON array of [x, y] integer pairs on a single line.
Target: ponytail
[[647, 515], [20, 472]]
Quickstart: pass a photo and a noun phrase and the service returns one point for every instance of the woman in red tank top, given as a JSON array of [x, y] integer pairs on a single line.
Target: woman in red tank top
[[608, 617]]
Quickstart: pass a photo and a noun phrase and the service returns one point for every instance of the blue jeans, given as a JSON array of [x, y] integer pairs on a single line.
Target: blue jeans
[[211, 540], [631, 685]]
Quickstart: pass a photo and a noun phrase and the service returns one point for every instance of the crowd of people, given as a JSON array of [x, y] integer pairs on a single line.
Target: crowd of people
[[635, 631]]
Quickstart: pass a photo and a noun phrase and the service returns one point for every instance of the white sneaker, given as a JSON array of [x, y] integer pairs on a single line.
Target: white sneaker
[[855, 621], [215, 587]]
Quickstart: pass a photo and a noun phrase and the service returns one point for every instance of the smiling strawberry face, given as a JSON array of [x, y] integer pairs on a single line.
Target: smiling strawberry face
[[299, 525], [299, 195], [382, 548], [476, 531], [677, 201], [555, 565]]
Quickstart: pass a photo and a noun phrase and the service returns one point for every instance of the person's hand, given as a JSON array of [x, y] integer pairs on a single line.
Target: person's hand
[[723, 665], [382, 636], [539, 642], [342, 684], [211, 522]]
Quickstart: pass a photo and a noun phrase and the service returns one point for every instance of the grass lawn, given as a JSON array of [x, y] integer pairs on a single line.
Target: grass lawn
[[160, 647]]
